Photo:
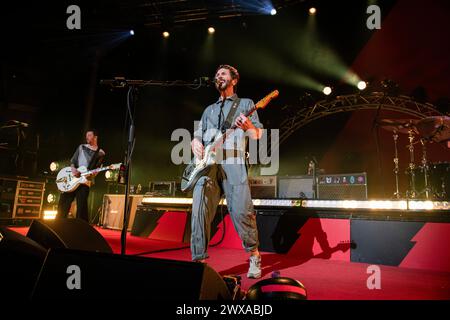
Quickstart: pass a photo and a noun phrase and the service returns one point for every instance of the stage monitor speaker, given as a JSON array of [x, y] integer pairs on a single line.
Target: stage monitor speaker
[[21, 261], [73, 274], [352, 186], [295, 187], [263, 187], [67, 233]]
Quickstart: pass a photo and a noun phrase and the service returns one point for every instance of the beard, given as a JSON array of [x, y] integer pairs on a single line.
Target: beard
[[223, 85]]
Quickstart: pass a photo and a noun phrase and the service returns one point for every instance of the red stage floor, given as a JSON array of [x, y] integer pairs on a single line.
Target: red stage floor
[[324, 279]]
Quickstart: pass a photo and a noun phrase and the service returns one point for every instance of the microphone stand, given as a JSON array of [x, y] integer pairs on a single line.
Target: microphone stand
[[375, 127], [132, 85]]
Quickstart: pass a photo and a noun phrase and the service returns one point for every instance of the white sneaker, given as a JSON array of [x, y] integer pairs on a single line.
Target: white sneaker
[[254, 271]]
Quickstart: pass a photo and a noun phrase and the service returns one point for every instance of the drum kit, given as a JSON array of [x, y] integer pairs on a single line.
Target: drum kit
[[429, 181]]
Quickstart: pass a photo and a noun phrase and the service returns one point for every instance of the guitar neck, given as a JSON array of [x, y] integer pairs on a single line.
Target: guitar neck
[[95, 171]]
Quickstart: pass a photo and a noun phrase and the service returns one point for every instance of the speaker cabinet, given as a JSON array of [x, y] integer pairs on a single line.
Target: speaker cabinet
[[295, 187], [263, 187], [67, 233], [21, 261], [112, 210], [351, 186], [112, 276]]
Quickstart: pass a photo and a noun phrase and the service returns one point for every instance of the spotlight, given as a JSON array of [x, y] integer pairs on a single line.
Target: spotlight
[[54, 166], [211, 30], [326, 91], [51, 198], [273, 11], [362, 85], [312, 10], [111, 175], [166, 34], [49, 214], [132, 32]]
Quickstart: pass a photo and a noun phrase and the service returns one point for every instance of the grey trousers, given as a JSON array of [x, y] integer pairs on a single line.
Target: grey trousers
[[206, 197]]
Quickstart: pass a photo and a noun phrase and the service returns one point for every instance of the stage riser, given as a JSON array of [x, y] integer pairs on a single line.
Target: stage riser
[[319, 234]]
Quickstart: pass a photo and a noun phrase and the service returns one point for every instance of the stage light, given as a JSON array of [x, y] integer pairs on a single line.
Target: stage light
[[111, 175], [327, 91], [312, 10], [273, 11], [54, 166], [421, 205], [211, 30], [51, 198], [50, 214], [166, 34], [361, 85], [357, 204]]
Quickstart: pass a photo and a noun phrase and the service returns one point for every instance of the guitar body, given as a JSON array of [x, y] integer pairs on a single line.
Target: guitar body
[[196, 169], [67, 182]]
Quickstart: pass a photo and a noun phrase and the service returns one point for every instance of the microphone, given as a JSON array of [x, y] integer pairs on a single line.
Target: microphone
[[208, 81]]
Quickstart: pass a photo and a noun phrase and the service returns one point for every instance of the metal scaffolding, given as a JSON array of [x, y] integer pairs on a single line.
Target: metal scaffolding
[[354, 102]]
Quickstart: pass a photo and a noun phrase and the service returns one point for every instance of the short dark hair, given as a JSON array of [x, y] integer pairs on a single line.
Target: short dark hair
[[94, 131], [233, 71]]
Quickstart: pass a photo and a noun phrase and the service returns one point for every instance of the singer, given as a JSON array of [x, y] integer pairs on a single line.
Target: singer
[[230, 175]]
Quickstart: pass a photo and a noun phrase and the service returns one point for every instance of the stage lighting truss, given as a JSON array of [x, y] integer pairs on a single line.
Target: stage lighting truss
[[182, 12], [354, 102]]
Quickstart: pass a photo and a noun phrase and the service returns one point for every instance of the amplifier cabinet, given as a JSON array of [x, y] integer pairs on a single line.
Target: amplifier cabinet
[[295, 187], [263, 187], [350, 186], [112, 210]]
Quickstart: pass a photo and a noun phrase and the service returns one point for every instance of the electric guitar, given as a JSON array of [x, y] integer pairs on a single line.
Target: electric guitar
[[67, 182], [199, 167]]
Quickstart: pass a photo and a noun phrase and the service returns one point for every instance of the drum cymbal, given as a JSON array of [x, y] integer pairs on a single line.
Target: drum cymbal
[[399, 125], [435, 128]]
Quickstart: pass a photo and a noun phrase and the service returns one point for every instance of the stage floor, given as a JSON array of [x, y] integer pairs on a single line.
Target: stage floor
[[324, 279]]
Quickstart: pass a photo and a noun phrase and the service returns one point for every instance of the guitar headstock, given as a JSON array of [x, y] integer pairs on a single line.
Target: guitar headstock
[[115, 166], [265, 101]]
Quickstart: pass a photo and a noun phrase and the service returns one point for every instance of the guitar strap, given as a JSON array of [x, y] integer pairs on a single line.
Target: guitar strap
[[230, 117], [93, 158]]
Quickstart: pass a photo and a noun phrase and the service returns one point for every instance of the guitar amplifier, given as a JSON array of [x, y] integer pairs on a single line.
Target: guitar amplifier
[[350, 186], [295, 187], [113, 207], [162, 188], [263, 187]]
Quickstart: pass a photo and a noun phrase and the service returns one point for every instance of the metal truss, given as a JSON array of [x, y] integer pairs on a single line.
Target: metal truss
[[354, 102]]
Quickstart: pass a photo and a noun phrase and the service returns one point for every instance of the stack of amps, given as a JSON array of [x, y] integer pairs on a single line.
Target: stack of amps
[[352, 186], [20, 199]]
